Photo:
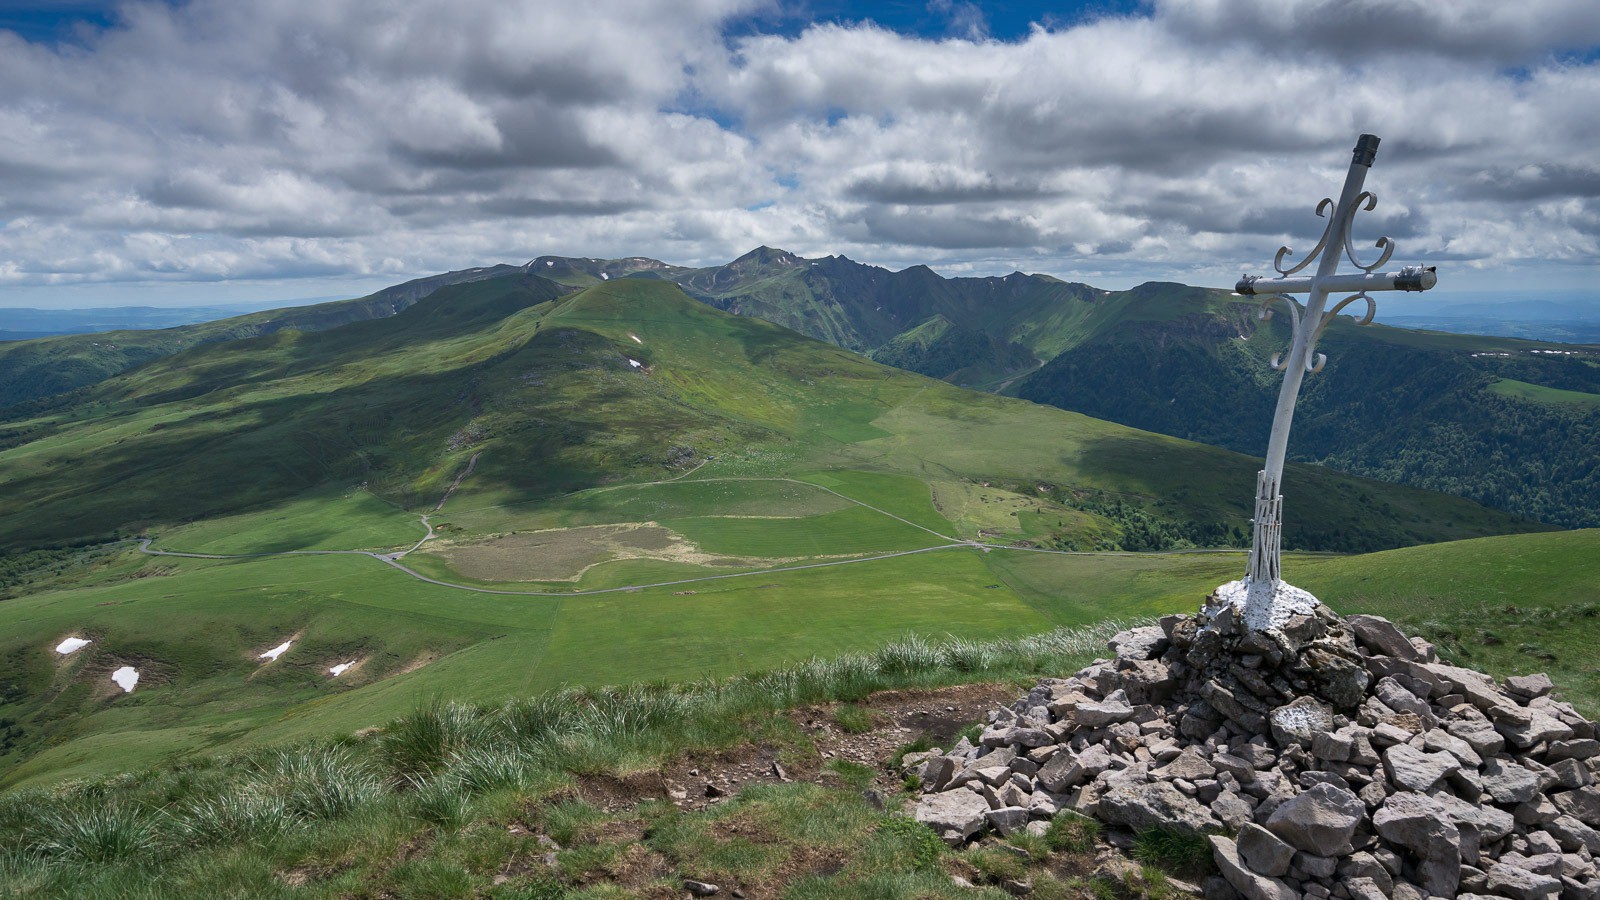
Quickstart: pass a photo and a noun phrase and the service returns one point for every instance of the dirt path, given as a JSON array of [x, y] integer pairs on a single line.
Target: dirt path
[[471, 464]]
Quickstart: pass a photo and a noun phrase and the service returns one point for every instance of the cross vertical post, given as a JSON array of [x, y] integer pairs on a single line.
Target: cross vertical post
[[1264, 599]]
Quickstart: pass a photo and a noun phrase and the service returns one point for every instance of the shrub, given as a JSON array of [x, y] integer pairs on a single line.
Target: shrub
[[1179, 851], [853, 719], [232, 816], [319, 782], [1072, 833], [921, 847], [95, 832]]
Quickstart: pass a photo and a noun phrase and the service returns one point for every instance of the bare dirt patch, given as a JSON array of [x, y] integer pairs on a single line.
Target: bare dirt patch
[[701, 780], [564, 554]]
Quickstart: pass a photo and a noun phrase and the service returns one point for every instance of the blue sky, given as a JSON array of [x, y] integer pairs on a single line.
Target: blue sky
[[217, 151]]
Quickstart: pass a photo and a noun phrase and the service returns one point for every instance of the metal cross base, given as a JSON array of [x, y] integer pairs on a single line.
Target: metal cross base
[[1262, 598], [1265, 604]]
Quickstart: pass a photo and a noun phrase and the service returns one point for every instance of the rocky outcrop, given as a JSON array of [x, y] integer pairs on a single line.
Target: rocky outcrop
[[1346, 758]]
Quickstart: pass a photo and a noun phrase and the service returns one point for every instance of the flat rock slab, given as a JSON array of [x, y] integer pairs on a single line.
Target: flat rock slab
[[1320, 821], [961, 813], [1143, 806]]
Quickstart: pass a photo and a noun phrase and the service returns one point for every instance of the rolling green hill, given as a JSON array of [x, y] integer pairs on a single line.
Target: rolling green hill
[[1509, 423], [47, 367], [619, 484]]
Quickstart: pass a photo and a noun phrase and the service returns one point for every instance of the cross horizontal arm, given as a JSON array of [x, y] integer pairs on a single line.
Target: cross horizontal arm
[[1410, 278]]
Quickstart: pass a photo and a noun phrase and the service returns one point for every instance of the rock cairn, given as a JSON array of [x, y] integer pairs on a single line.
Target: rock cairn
[[1331, 756]]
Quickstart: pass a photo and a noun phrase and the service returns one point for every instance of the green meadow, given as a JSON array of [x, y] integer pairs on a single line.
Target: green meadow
[[743, 500]]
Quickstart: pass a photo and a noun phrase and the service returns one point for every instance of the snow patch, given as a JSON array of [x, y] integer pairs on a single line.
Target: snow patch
[[635, 338], [72, 645], [338, 670], [604, 277], [635, 363], [277, 651], [126, 677], [549, 262]]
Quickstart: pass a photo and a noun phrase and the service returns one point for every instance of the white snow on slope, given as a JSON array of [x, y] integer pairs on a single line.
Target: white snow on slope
[[338, 670], [126, 677], [72, 645], [277, 651]]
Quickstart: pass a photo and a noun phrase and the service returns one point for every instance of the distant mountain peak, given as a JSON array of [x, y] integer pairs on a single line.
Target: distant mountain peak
[[765, 255]]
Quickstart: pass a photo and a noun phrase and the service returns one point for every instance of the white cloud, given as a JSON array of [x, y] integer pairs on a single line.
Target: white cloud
[[308, 139]]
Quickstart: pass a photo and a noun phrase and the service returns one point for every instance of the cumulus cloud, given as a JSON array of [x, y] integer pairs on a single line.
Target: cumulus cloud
[[302, 139]]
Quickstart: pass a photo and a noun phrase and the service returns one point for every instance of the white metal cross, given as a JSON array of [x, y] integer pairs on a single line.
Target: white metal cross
[[1265, 600]]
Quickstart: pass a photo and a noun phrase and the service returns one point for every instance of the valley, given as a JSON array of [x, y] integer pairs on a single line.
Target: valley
[[658, 490]]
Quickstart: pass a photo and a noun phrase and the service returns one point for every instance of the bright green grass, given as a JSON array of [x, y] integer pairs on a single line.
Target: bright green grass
[[1538, 393], [702, 496], [853, 530], [900, 495], [195, 635], [353, 521]]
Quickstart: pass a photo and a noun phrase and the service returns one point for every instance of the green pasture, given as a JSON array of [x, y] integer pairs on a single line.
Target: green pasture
[[1538, 393], [355, 520]]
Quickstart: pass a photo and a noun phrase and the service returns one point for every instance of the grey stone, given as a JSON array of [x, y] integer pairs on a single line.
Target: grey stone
[[1530, 686], [1571, 774], [1231, 809], [1362, 864], [1334, 746], [1521, 884], [1319, 821], [1142, 806], [1414, 770], [1189, 765], [1264, 852], [1508, 782], [1440, 739], [1493, 824], [1582, 804], [960, 812], [1539, 727], [1364, 889], [1577, 748], [937, 772], [1381, 636], [1237, 766], [1398, 698], [1572, 834], [1106, 712], [1139, 643], [1338, 680], [1421, 825], [1478, 734], [1009, 820], [1250, 885], [701, 888]]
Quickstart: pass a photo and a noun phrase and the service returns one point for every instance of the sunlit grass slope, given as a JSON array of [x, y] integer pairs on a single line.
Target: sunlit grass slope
[[753, 450]]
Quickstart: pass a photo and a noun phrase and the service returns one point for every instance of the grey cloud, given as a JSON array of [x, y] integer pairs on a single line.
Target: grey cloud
[[299, 138], [1491, 30], [930, 189], [1532, 182], [541, 206], [925, 228]]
